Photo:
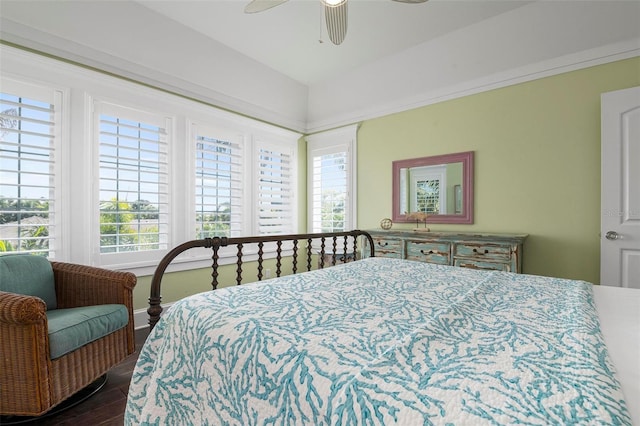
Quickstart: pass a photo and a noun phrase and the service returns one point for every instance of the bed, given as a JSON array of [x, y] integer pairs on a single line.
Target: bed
[[382, 341]]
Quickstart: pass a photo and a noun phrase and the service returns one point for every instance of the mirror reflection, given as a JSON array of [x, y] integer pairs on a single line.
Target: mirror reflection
[[431, 189], [440, 186]]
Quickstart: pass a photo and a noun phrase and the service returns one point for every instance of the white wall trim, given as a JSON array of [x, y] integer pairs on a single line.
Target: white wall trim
[[141, 317], [260, 106]]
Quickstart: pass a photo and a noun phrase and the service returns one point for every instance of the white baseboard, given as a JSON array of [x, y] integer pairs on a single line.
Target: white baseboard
[[141, 317]]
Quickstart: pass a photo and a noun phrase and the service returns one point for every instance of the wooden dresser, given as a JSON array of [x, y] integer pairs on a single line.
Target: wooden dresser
[[502, 252]]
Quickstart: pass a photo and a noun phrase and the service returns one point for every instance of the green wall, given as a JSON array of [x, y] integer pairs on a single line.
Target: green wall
[[537, 169], [537, 162], [177, 285]]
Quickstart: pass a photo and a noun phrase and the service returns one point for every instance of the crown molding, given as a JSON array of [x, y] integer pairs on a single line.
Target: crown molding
[[567, 63]]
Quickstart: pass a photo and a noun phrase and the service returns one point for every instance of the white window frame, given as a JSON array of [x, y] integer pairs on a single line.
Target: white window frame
[[57, 96], [343, 139], [77, 157], [224, 134], [271, 142], [164, 121]]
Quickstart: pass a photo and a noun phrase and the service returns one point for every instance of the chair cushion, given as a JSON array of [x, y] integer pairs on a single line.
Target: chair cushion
[[29, 275], [70, 329]]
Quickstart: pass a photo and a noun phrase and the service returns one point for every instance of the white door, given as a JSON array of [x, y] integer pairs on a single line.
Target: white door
[[620, 224]]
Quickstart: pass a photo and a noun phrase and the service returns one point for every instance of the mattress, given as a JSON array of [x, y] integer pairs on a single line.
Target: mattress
[[619, 313]]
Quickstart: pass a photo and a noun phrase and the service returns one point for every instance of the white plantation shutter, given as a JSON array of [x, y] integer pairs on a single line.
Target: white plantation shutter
[[28, 127], [218, 187], [133, 183], [331, 180], [330, 191], [275, 198]]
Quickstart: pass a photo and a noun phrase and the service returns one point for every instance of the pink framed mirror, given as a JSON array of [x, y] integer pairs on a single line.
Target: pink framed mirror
[[440, 186]]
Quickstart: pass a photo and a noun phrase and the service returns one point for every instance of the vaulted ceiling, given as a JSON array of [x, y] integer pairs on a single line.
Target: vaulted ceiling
[[292, 37]]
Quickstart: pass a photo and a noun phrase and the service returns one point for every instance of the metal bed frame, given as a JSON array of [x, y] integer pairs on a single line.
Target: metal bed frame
[[330, 248]]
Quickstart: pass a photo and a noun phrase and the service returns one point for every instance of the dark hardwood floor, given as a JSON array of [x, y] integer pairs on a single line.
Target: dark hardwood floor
[[107, 406]]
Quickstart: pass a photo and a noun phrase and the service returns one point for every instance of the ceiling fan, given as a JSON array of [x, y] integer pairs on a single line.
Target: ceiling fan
[[335, 12]]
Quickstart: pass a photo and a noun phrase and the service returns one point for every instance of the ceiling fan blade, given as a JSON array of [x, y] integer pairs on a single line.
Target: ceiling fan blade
[[336, 19], [261, 5], [411, 1]]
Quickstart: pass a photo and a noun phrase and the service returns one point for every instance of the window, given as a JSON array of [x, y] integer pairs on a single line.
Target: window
[[218, 186], [244, 184], [331, 170], [275, 197], [28, 129], [329, 191], [133, 184]]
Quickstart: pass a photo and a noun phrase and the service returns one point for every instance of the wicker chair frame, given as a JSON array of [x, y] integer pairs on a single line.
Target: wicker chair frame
[[30, 382]]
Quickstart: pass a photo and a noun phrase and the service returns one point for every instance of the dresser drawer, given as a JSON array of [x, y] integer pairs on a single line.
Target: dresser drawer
[[388, 247], [429, 251], [480, 264], [481, 251]]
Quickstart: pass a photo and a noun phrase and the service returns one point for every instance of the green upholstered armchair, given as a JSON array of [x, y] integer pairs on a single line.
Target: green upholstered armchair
[[62, 327]]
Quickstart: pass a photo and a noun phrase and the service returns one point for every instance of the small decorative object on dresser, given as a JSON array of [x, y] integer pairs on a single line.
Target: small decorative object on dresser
[[418, 217], [386, 224], [502, 252]]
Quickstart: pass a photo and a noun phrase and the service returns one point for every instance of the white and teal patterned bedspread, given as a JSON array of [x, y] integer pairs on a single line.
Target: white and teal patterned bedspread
[[380, 342]]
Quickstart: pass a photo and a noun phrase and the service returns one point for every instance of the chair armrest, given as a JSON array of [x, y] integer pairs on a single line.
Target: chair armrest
[[24, 352], [81, 285], [18, 309]]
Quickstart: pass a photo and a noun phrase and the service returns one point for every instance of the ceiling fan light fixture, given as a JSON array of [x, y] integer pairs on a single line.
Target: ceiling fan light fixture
[[333, 3], [336, 19]]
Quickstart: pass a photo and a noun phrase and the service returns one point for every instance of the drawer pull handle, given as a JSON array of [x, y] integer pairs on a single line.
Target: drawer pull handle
[[476, 251], [430, 252], [382, 245]]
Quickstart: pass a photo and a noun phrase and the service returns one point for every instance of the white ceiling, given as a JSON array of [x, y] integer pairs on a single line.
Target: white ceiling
[[291, 38], [273, 67]]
